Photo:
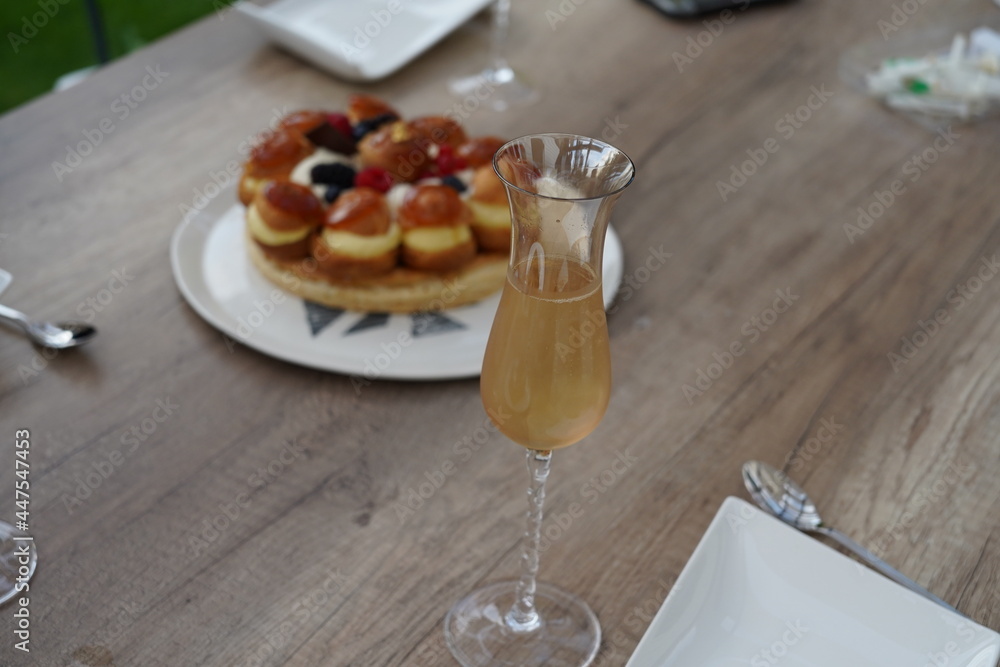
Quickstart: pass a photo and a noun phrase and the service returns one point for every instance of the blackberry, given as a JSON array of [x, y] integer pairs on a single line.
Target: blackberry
[[333, 173], [332, 193], [454, 182], [367, 125]]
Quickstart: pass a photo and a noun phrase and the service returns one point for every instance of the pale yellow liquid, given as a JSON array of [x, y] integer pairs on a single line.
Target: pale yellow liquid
[[546, 376]]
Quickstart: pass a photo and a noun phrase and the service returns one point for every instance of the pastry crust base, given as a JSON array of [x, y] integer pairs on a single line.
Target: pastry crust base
[[492, 239], [402, 290]]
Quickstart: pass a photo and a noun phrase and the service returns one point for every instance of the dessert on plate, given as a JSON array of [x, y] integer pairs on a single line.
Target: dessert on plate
[[366, 211]]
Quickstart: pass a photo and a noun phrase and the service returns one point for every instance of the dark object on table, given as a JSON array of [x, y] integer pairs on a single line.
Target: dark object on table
[[690, 8]]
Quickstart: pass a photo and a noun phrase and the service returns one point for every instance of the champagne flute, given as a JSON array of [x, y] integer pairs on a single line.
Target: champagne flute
[[546, 380], [504, 87]]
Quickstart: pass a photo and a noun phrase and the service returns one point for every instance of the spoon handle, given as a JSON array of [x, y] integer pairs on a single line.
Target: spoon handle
[[882, 566], [15, 316]]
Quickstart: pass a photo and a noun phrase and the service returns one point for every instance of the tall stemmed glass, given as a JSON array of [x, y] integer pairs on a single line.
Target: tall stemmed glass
[[501, 87], [546, 379]]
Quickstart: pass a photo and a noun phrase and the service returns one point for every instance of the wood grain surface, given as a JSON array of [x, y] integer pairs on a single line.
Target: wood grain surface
[[247, 512]]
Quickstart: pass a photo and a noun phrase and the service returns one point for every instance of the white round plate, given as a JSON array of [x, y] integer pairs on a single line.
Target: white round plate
[[213, 273]]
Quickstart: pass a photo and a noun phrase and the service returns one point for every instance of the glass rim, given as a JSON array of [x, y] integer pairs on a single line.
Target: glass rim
[[606, 145]]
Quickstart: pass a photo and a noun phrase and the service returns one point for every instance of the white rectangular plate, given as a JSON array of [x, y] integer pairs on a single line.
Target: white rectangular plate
[[360, 40], [758, 592]]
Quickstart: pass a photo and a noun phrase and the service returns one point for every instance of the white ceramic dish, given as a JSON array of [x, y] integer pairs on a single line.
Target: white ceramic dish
[[758, 592], [359, 40], [212, 271]]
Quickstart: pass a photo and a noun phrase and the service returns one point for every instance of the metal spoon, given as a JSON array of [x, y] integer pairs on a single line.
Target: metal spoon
[[57, 336], [775, 492]]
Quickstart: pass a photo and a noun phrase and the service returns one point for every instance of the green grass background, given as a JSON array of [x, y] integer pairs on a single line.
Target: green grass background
[[65, 43]]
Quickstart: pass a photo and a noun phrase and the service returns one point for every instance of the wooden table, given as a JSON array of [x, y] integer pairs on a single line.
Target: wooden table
[[248, 510]]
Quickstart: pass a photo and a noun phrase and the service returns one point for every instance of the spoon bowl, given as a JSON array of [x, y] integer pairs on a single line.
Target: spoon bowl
[[780, 495], [61, 335], [57, 336]]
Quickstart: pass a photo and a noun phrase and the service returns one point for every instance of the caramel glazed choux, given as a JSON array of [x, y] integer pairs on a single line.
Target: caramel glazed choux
[[368, 212]]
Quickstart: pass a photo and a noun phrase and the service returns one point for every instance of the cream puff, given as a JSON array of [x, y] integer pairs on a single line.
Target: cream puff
[[273, 158], [303, 121], [436, 232], [437, 130], [363, 107], [479, 151], [395, 148], [490, 212], [282, 217], [359, 238]]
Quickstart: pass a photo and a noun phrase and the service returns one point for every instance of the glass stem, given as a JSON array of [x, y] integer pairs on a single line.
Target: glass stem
[[498, 40], [522, 617]]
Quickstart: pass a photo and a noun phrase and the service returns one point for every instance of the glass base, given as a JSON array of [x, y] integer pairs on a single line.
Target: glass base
[[15, 564], [475, 632], [496, 88]]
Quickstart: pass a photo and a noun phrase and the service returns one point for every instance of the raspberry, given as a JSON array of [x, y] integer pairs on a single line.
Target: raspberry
[[333, 173], [373, 177], [341, 123], [448, 163]]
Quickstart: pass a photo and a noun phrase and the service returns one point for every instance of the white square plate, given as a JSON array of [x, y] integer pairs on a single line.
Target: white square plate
[[360, 40], [758, 592]]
